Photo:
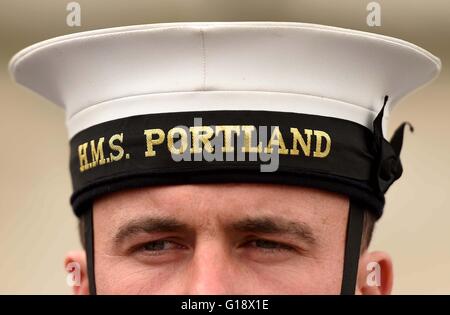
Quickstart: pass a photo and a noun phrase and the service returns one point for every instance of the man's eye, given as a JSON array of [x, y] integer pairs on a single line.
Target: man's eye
[[158, 251], [268, 245], [160, 245]]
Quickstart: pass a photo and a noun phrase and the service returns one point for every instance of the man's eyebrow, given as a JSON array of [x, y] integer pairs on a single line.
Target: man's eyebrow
[[148, 225], [275, 225]]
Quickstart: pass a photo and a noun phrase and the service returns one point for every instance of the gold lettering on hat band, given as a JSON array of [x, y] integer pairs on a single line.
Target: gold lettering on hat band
[[319, 136], [98, 154], [115, 147], [298, 139], [172, 135], [197, 139], [151, 141], [228, 134]]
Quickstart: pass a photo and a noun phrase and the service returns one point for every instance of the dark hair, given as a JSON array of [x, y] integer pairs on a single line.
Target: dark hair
[[368, 228]]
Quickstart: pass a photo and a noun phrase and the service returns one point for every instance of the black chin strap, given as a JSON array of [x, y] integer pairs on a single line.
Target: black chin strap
[[89, 240], [352, 247]]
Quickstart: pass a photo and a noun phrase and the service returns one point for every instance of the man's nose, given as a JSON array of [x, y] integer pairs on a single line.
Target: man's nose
[[212, 270]]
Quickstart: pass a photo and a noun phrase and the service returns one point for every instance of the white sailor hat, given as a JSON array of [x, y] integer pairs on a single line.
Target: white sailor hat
[[132, 94], [240, 69]]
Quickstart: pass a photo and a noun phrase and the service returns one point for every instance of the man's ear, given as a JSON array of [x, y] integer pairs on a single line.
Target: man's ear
[[375, 274], [75, 265]]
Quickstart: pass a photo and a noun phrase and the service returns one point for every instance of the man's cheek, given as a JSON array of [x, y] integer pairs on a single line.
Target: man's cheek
[[119, 275], [304, 275], [325, 277], [287, 278], [124, 275]]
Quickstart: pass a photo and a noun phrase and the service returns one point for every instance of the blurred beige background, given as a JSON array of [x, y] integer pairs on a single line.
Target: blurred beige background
[[37, 226]]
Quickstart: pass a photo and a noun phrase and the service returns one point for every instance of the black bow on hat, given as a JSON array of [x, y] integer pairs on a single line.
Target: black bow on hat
[[388, 167]]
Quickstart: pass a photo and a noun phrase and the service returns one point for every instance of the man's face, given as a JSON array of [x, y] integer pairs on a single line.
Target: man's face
[[220, 239]]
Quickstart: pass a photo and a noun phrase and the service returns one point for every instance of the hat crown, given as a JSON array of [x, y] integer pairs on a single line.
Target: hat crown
[[284, 66]]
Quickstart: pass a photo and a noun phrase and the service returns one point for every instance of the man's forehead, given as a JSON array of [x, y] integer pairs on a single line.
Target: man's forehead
[[200, 203]]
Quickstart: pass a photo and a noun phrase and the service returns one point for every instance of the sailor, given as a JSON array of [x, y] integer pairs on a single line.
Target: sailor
[[314, 98]]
